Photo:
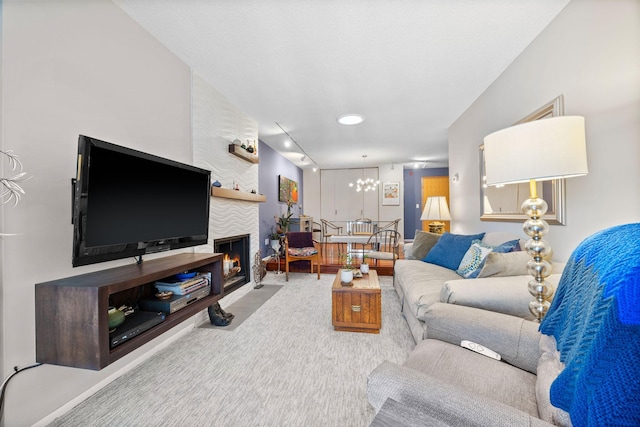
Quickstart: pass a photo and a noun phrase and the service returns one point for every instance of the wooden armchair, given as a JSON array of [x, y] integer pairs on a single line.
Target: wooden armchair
[[300, 246]]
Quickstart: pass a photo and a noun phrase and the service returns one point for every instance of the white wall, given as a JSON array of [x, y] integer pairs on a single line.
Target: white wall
[[71, 68], [386, 173], [591, 54]]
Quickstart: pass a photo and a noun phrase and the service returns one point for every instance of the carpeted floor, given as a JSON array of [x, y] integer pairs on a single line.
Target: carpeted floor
[[243, 308], [283, 366]]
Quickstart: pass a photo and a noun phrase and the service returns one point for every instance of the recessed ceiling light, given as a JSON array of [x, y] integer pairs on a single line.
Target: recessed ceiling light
[[350, 119], [287, 143]]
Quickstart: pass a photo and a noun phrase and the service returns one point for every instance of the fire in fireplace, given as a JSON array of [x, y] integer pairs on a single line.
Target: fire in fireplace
[[236, 264]]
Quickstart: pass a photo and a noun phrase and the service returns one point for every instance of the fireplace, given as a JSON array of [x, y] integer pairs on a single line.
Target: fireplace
[[236, 263]]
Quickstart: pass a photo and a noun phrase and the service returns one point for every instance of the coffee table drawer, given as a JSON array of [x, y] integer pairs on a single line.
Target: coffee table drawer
[[357, 310]]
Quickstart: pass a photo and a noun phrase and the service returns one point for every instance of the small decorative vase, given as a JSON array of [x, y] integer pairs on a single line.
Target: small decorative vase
[[116, 318], [364, 268], [346, 275], [216, 183]]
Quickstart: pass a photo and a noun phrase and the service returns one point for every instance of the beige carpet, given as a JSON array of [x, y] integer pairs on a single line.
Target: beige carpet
[[283, 366]]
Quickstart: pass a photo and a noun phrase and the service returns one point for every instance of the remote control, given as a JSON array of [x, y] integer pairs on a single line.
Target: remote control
[[480, 349]]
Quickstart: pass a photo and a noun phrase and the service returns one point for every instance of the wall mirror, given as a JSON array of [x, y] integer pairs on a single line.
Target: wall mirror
[[503, 203]]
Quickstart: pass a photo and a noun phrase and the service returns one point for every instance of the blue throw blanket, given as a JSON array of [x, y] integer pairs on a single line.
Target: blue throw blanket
[[595, 319]]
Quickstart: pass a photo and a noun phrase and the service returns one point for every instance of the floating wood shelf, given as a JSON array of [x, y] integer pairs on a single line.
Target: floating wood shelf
[[72, 321], [243, 154], [237, 195]]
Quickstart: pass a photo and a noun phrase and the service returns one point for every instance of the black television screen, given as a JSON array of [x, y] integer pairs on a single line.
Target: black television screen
[[128, 203]]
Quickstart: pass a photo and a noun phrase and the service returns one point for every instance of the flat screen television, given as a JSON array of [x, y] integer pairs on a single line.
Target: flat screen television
[[128, 203]]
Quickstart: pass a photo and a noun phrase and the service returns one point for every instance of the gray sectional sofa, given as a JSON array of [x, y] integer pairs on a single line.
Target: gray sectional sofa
[[578, 367], [501, 285]]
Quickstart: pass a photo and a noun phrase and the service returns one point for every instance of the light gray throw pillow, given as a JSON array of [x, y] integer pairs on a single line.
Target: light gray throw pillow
[[423, 242], [505, 264]]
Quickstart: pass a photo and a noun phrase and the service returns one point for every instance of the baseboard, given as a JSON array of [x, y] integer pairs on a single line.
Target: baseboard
[[84, 395]]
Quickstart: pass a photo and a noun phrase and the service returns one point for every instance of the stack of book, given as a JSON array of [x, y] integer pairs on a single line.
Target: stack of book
[[183, 287]]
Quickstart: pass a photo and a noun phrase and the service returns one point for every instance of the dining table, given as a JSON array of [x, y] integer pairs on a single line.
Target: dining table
[[350, 240]]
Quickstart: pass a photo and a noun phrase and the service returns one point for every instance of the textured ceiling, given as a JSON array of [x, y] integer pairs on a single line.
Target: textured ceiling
[[410, 67]]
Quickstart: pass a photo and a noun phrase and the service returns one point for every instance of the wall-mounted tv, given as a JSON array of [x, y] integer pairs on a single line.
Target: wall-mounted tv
[[128, 203]]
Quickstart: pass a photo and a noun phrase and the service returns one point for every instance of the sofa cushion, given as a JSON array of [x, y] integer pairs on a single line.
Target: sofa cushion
[[420, 283], [423, 242], [450, 249], [475, 373], [473, 260], [509, 295]]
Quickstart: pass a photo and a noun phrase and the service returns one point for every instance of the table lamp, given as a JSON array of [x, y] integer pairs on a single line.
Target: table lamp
[[540, 150], [436, 210]]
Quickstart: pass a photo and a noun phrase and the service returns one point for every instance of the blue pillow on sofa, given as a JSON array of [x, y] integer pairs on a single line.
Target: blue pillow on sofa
[[450, 249], [510, 246]]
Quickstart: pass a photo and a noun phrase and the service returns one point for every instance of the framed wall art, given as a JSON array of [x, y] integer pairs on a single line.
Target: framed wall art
[[390, 193], [288, 190]]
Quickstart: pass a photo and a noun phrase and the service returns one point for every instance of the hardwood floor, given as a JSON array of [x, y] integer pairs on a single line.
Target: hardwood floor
[[331, 262]]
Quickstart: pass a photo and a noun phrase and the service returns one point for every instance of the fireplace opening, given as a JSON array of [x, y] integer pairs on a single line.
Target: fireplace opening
[[236, 265]]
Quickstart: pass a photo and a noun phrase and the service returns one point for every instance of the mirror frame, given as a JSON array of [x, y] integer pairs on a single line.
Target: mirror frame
[[553, 108]]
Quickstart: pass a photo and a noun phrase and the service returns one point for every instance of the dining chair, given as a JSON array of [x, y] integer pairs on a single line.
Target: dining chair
[[384, 245], [300, 246], [363, 226], [392, 225], [330, 229]]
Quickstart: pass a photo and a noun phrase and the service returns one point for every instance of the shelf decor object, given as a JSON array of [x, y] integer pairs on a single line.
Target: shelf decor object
[[243, 153], [540, 150], [436, 210], [226, 193]]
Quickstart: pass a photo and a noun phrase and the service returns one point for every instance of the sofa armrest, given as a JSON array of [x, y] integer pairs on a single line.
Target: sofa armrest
[[509, 295], [438, 400], [395, 414], [516, 340]]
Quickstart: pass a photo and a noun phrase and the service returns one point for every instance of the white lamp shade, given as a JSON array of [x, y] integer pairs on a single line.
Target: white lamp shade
[[436, 209], [542, 150]]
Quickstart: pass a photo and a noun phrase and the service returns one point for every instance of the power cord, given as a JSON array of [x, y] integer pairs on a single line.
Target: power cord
[[5, 383]]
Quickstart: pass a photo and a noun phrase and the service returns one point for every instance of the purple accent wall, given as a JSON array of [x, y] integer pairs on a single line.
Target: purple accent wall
[[272, 164], [413, 196]]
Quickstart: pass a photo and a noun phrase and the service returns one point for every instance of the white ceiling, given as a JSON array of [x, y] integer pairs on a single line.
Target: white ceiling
[[410, 67]]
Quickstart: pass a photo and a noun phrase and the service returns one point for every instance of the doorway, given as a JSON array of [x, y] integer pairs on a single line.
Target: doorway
[[435, 186]]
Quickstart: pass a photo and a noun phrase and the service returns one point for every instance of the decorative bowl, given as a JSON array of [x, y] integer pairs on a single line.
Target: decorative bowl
[[116, 318]]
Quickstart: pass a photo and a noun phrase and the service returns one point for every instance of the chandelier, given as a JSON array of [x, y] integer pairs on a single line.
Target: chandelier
[[366, 184]]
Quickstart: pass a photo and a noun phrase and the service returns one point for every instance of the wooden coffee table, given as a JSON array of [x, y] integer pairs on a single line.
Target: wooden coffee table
[[357, 307]]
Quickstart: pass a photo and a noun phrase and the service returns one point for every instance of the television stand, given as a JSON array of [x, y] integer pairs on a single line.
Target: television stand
[[72, 321]]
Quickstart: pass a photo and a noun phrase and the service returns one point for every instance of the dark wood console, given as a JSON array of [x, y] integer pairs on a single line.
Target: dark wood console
[[72, 313]]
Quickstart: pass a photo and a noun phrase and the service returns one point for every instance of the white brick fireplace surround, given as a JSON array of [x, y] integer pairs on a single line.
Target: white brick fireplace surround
[[216, 123]]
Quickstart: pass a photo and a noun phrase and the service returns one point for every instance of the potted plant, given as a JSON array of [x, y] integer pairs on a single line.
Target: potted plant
[[283, 222], [364, 267], [346, 273], [274, 240]]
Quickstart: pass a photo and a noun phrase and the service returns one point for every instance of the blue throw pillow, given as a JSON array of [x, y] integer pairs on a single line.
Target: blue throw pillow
[[505, 247], [450, 249]]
